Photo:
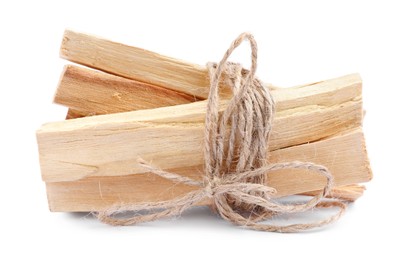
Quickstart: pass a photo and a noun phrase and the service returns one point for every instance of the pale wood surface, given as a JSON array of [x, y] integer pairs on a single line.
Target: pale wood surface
[[90, 92], [172, 136], [135, 63], [344, 155]]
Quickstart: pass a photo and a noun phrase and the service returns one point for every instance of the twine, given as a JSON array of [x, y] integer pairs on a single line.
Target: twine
[[235, 160]]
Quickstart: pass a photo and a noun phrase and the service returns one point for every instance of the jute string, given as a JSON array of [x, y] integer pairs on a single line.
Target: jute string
[[235, 160]]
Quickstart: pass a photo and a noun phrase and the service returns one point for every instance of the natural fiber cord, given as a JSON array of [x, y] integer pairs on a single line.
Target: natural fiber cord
[[235, 163]]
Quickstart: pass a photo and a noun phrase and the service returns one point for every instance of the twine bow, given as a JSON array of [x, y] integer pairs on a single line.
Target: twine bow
[[235, 156]]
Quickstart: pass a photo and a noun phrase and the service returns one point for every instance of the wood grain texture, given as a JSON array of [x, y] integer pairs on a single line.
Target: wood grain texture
[[73, 114], [344, 155], [87, 92], [138, 64], [135, 63], [90, 92], [172, 136]]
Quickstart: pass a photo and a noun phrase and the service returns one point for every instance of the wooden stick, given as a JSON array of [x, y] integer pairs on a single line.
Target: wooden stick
[[135, 63], [172, 136], [345, 156], [89, 92]]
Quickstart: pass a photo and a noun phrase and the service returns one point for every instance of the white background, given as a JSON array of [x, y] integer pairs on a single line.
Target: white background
[[299, 42]]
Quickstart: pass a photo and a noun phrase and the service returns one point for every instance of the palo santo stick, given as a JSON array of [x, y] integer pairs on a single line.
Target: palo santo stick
[[89, 92], [171, 137], [135, 63], [348, 193], [348, 163]]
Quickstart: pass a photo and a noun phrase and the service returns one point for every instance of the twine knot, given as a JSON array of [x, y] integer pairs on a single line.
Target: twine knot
[[213, 186], [235, 159]]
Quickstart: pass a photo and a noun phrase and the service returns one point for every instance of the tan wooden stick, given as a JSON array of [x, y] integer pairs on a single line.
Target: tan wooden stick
[[90, 92], [109, 144], [344, 155], [135, 63]]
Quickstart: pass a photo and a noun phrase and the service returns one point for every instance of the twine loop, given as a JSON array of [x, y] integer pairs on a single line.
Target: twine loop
[[235, 160]]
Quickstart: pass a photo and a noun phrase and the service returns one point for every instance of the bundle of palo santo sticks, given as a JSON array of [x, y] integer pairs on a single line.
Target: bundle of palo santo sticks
[[136, 103]]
